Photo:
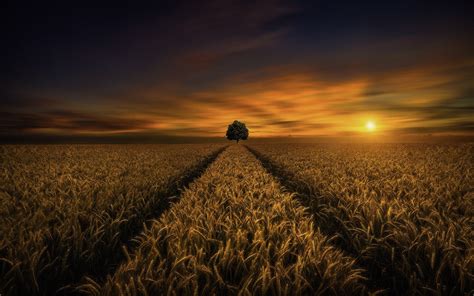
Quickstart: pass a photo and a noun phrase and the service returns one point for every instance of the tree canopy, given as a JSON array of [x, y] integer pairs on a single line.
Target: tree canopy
[[237, 131]]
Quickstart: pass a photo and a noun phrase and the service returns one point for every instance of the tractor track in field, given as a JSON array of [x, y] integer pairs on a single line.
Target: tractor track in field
[[129, 243], [235, 229], [289, 182]]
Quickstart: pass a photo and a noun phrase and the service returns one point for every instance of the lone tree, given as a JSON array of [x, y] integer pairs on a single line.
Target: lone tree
[[237, 131]]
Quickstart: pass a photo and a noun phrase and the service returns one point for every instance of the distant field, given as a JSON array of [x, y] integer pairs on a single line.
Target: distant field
[[267, 219]]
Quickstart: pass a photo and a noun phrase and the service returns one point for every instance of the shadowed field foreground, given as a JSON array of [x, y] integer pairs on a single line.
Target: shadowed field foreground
[[67, 210]]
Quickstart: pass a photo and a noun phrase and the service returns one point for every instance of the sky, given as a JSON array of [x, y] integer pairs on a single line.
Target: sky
[[186, 69]]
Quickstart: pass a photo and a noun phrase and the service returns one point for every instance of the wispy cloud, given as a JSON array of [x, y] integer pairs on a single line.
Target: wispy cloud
[[68, 121]]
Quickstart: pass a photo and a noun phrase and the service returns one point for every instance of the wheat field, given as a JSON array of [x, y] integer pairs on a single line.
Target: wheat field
[[406, 212], [256, 219], [67, 210]]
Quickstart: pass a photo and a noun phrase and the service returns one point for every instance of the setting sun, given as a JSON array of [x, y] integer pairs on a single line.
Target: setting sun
[[370, 125]]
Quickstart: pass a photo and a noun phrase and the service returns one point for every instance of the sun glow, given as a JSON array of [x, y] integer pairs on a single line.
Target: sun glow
[[370, 125]]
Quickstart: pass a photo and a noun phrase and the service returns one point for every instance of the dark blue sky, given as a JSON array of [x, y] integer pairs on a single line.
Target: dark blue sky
[[187, 68]]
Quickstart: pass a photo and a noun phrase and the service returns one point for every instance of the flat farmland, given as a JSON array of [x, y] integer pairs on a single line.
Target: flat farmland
[[255, 219]]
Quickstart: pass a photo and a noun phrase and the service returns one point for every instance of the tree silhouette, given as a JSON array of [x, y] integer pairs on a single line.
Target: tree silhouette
[[237, 131]]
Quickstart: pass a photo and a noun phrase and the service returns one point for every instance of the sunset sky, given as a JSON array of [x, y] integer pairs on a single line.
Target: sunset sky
[[320, 69]]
